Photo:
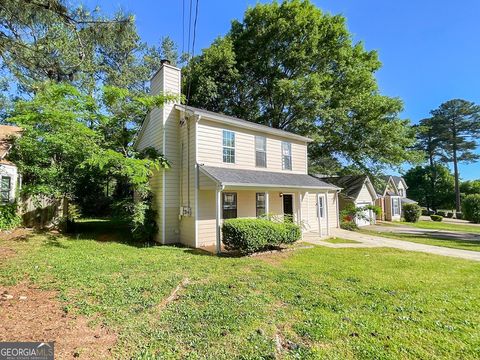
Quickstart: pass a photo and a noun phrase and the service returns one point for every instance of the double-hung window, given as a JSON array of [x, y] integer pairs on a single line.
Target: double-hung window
[[228, 147], [395, 206], [229, 205], [260, 151], [286, 155], [260, 204], [5, 187]]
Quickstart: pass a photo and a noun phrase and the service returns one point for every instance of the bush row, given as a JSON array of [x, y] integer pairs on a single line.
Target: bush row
[[471, 208], [9, 218], [252, 235]]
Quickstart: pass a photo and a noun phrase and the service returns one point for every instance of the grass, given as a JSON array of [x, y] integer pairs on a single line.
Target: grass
[[428, 239], [341, 241], [321, 302], [433, 225]]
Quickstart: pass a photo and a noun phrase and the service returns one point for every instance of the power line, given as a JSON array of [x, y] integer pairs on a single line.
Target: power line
[[193, 48]]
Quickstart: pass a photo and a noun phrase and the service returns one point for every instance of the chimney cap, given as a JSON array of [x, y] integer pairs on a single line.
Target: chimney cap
[[165, 61]]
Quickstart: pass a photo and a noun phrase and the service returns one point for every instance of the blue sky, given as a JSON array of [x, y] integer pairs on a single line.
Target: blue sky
[[430, 50]]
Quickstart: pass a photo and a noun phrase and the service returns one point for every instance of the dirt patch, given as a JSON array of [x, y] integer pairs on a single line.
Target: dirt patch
[[17, 234], [31, 314], [6, 253]]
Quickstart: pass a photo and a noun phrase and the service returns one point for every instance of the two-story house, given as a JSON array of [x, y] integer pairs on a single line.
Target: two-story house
[[391, 196], [223, 167]]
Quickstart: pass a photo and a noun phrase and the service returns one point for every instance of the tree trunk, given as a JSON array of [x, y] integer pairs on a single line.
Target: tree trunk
[[457, 186]]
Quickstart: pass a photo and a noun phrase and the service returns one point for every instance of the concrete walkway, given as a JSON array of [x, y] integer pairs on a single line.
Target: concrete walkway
[[369, 241]]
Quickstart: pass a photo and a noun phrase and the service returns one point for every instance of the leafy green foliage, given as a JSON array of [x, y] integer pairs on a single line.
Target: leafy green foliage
[[252, 235], [9, 218], [437, 218], [411, 212], [471, 208], [290, 66], [351, 214], [470, 187], [324, 296], [432, 187]]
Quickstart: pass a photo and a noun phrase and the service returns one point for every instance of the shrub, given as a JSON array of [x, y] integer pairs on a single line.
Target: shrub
[[9, 219], [450, 215], [471, 208], [425, 212], [411, 212], [458, 215], [252, 235], [441, 213], [437, 218], [377, 210]]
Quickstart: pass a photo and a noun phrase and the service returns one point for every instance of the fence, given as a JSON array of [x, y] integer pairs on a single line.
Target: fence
[[42, 212]]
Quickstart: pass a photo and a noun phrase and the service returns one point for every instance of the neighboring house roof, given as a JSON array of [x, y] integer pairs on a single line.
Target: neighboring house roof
[[226, 119], [351, 185], [257, 178], [408, 201], [382, 188], [6, 133], [398, 179]]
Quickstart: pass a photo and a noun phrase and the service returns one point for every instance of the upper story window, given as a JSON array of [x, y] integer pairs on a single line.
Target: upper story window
[[286, 155], [401, 192], [228, 147], [260, 151], [5, 187]]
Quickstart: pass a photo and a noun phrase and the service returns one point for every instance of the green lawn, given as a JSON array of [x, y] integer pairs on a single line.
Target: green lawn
[[473, 245], [433, 225], [323, 303]]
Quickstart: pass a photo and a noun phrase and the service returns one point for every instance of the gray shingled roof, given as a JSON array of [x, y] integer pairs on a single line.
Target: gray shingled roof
[[228, 176], [351, 184], [408, 201]]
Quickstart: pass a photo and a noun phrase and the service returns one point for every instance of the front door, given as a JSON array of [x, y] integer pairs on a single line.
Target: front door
[[288, 206]]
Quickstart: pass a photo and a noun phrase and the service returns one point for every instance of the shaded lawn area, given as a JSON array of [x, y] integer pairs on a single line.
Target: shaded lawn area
[[316, 303], [433, 225], [428, 239]]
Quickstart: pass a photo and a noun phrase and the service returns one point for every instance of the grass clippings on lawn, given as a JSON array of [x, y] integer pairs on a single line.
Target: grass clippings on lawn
[[315, 303]]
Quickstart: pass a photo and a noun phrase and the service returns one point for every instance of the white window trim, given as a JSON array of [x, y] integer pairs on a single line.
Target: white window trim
[[229, 147], [264, 151], [290, 155]]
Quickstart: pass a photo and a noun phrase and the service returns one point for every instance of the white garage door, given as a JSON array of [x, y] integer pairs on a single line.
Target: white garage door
[[367, 217]]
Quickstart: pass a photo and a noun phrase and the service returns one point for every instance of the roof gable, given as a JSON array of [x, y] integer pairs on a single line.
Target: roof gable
[[352, 185]]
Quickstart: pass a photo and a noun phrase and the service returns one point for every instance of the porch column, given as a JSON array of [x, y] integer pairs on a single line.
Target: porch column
[[267, 203], [218, 206], [326, 213]]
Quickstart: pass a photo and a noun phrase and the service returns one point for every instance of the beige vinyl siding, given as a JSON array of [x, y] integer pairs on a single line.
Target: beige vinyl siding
[[187, 181], [332, 210], [172, 153], [210, 136], [206, 218], [365, 195], [206, 183]]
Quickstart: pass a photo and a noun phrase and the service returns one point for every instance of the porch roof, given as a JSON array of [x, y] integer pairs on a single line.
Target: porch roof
[[258, 178]]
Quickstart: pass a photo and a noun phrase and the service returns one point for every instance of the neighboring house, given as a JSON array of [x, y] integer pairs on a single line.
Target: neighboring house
[[10, 180], [391, 195], [357, 190], [223, 167]]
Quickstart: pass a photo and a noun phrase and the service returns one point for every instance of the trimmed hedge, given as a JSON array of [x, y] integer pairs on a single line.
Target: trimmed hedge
[[411, 212], [9, 218], [437, 218], [441, 213], [458, 215], [450, 215], [252, 235], [471, 208]]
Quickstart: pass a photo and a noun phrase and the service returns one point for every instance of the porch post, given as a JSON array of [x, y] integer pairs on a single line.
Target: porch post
[[326, 213], [267, 203], [218, 206], [318, 215]]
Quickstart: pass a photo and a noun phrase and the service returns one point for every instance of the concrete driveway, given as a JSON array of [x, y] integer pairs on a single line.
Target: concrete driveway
[[367, 241], [439, 234]]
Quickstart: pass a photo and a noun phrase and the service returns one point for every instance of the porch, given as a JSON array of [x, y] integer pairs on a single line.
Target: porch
[[310, 203]]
